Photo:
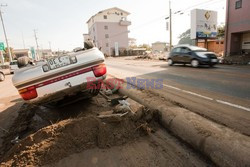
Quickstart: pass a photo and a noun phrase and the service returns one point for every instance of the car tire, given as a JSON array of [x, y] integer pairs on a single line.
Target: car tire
[[2, 76], [22, 61], [170, 62], [195, 63], [211, 65], [89, 45]]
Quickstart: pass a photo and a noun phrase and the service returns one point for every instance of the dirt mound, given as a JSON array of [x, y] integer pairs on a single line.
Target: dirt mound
[[30, 119], [59, 140]]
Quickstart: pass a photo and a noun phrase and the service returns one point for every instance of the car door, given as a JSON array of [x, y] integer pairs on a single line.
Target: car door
[[175, 55], [180, 54], [185, 54]]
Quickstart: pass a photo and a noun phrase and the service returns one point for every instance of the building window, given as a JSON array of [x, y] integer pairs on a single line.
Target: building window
[[106, 35], [238, 4], [105, 16], [106, 27], [107, 44], [221, 42], [121, 13]]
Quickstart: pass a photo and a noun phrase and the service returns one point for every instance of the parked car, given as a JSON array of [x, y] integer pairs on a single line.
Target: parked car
[[60, 77], [187, 54], [13, 66], [4, 69]]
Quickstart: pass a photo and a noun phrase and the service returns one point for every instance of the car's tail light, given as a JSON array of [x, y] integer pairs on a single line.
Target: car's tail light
[[99, 70], [28, 93]]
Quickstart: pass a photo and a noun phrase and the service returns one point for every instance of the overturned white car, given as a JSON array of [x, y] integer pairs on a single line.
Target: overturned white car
[[60, 77]]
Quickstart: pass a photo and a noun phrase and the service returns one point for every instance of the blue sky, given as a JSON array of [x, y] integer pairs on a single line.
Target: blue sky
[[62, 22]]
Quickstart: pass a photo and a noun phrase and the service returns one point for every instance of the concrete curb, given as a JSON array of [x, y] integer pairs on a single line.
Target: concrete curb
[[221, 144]]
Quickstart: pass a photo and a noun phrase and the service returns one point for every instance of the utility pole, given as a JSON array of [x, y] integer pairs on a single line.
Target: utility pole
[[37, 46], [50, 45], [170, 26], [23, 41], [6, 39]]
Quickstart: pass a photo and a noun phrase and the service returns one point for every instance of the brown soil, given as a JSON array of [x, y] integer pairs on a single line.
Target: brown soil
[[75, 136], [57, 141]]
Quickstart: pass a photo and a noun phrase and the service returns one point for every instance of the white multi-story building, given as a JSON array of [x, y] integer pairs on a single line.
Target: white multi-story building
[[108, 29]]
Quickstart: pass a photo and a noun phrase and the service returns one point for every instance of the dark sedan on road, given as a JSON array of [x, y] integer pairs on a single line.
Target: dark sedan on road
[[187, 54]]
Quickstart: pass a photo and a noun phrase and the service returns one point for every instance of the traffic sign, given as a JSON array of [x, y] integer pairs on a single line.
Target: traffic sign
[[2, 46]]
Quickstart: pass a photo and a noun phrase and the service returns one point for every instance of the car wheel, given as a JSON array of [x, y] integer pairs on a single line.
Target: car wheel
[[194, 63], [211, 65], [170, 62], [2, 77], [22, 61], [89, 45]]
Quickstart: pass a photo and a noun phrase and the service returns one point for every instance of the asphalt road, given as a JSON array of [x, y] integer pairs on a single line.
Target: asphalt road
[[221, 94]]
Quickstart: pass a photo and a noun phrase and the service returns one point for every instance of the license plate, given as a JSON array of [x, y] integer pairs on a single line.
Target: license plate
[[214, 60], [58, 62]]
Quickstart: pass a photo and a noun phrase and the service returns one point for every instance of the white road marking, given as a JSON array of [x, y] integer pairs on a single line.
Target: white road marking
[[233, 105], [195, 94], [209, 98], [192, 93], [172, 87]]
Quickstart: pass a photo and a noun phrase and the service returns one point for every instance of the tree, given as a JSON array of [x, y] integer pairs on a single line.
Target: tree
[[221, 31], [185, 38], [6, 53], [145, 46]]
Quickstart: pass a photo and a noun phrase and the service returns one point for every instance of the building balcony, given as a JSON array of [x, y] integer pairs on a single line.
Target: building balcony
[[125, 23]]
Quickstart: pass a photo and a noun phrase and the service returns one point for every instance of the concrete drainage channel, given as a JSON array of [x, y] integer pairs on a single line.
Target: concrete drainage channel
[[220, 144], [107, 130]]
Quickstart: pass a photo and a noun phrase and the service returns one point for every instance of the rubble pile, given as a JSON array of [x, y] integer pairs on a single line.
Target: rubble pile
[[49, 141], [152, 56]]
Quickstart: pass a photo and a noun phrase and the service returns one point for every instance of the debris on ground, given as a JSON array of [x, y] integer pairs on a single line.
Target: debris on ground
[[108, 92], [152, 56], [122, 107], [62, 136], [115, 101], [53, 142]]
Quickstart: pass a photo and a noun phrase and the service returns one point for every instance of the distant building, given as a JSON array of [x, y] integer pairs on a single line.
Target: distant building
[[21, 52], [45, 53], [213, 45], [108, 29], [160, 47], [237, 30]]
